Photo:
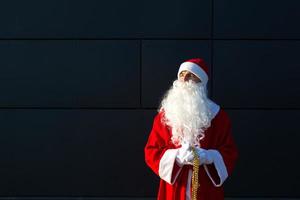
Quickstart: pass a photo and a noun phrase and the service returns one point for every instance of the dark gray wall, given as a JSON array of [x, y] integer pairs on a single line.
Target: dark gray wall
[[80, 82]]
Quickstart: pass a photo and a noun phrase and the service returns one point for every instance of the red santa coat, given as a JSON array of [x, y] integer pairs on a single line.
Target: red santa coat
[[175, 182]]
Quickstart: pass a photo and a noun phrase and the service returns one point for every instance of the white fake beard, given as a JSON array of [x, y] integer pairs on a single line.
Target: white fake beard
[[186, 111]]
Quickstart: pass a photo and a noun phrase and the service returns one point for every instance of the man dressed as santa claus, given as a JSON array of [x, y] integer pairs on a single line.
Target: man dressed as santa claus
[[190, 146]]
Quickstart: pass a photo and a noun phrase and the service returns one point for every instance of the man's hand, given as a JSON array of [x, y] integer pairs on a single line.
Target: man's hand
[[185, 155], [204, 156]]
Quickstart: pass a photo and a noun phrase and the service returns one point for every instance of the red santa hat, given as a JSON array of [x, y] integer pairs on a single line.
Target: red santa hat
[[196, 66]]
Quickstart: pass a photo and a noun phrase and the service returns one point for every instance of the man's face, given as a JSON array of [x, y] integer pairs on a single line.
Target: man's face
[[186, 76]]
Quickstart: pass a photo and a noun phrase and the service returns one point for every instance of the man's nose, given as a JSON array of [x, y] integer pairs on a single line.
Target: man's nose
[[186, 77]]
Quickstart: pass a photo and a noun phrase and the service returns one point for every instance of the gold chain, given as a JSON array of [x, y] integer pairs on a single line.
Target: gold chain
[[195, 176]]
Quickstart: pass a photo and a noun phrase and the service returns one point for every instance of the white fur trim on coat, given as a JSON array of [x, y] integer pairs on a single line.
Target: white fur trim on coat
[[166, 166], [214, 108], [219, 165]]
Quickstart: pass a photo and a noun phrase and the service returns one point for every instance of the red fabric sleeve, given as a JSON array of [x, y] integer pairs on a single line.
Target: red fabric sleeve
[[228, 148], [156, 146], [158, 143]]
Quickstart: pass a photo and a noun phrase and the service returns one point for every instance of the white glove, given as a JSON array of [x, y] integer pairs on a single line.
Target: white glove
[[185, 155], [204, 156]]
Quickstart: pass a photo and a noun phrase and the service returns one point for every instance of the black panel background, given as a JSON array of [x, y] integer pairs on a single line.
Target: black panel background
[[80, 82]]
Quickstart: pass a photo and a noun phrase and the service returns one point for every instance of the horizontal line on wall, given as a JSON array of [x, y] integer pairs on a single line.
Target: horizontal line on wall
[[271, 39], [104, 39], [75, 198], [133, 198], [148, 198], [70, 108], [75, 39]]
